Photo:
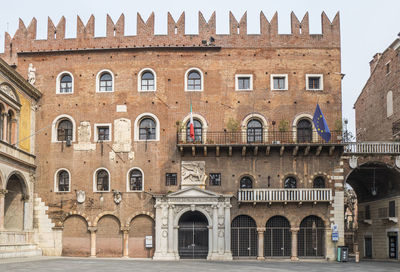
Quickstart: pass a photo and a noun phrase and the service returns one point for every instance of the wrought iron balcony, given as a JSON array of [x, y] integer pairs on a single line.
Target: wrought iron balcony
[[372, 148], [257, 138], [285, 195]]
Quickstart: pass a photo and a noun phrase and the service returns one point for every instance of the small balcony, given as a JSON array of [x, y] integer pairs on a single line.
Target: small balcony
[[372, 148], [285, 195]]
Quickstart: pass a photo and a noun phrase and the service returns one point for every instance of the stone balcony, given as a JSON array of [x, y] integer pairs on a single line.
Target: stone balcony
[[298, 195], [372, 148]]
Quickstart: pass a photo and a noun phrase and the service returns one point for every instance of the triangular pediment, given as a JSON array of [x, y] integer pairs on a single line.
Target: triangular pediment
[[193, 192]]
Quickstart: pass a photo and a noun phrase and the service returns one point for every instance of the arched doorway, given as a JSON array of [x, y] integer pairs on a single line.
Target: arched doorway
[[304, 131], [244, 237], [108, 237], [277, 238], [75, 237], [193, 236], [14, 203], [311, 240], [140, 227]]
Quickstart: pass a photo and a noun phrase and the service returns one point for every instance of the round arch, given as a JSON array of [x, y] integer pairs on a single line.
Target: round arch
[[137, 123], [199, 209], [204, 126], [14, 202], [259, 117], [58, 81], [139, 79], [244, 236], [128, 189], [22, 179], [75, 236], [95, 179], [109, 236], [277, 238], [99, 74], [140, 226], [56, 179], [201, 79], [54, 126], [308, 117]]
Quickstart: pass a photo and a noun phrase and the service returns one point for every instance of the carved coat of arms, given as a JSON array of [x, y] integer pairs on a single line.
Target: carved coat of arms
[[80, 196]]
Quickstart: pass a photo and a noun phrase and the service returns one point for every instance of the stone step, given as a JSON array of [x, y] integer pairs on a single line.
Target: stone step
[[17, 251], [15, 247]]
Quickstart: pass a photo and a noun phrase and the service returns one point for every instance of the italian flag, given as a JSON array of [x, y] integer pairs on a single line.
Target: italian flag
[[191, 123]]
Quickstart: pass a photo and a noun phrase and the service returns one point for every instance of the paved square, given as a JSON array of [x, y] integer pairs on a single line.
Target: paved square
[[98, 265]]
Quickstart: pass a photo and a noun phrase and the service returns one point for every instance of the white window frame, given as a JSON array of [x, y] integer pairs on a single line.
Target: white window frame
[[321, 83], [95, 180], [137, 123], [140, 80], [201, 79], [54, 127], [56, 180], [98, 80], [286, 82], [96, 134], [237, 82], [128, 187], [58, 82]]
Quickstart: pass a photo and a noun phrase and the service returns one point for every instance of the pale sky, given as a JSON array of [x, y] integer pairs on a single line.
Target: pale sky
[[367, 26]]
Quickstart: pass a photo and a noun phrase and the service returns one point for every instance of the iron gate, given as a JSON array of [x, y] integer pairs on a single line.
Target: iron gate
[[311, 240], [193, 236], [277, 238], [244, 237]]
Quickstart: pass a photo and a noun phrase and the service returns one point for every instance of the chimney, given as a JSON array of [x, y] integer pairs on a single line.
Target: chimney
[[374, 61]]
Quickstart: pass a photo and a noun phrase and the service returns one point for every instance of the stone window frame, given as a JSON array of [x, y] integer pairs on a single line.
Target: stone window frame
[[95, 180], [54, 127], [259, 117], [321, 82], [95, 133], [137, 123], [250, 176], [58, 82], [291, 175], [201, 79], [128, 180], [237, 76], [279, 75], [139, 79], [297, 119], [56, 180], [99, 74], [204, 126]]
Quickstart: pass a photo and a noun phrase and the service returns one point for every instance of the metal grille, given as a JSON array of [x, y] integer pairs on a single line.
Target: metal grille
[[193, 236], [244, 237], [311, 241], [277, 238]]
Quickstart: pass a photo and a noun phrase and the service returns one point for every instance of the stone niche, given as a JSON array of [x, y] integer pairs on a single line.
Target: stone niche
[[84, 135], [193, 174]]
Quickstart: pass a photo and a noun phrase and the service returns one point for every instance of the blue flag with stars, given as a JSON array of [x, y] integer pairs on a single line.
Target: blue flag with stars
[[321, 125]]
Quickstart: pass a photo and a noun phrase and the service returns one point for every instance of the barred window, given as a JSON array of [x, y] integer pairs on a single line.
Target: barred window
[[66, 84], [279, 83], [319, 182], [194, 80], [106, 83], [246, 183], [102, 181], [63, 181], [64, 130], [171, 179], [135, 180], [147, 129], [215, 179], [290, 182], [147, 81], [103, 133]]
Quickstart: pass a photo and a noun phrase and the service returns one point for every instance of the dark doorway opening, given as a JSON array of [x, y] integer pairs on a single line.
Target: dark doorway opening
[[393, 245], [368, 247]]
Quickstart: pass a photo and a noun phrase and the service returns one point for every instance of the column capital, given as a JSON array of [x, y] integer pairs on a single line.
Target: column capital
[[294, 229], [125, 229], [92, 229], [261, 229], [3, 192]]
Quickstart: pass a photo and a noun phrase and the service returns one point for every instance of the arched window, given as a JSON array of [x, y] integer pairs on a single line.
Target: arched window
[[106, 82], [10, 120], [290, 182], [63, 181], [147, 129], [102, 181], [64, 130], [198, 129], [135, 180], [66, 84], [2, 114], [194, 80], [254, 131], [246, 183], [319, 182], [304, 131], [147, 82]]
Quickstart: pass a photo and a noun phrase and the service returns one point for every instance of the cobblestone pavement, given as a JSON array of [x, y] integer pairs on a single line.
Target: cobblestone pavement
[[117, 265]]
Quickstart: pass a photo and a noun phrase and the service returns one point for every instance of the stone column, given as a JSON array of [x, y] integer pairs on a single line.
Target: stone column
[[126, 245], [228, 227], [2, 211], [294, 232], [215, 228], [260, 243], [26, 221], [171, 228], [5, 127], [92, 241]]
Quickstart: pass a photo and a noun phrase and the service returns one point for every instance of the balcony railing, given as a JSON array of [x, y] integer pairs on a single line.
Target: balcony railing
[[264, 137], [285, 195], [373, 148]]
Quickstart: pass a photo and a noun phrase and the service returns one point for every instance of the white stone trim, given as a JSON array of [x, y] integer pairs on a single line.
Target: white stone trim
[[58, 81], [321, 83], [56, 180], [96, 136], [279, 75], [136, 126], [201, 79], [128, 180], [204, 126], [237, 82], [98, 80], [139, 79], [260, 118], [54, 126], [297, 119], [389, 103], [95, 180]]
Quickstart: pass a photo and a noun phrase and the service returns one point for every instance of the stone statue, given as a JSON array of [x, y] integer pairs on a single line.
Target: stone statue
[[193, 173], [31, 74]]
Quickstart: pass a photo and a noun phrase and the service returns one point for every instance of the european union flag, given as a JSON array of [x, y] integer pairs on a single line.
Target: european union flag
[[321, 125]]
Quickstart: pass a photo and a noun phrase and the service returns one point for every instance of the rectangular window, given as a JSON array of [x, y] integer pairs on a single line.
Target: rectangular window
[[279, 82], [314, 82], [367, 212], [215, 179], [387, 68], [392, 208], [171, 179], [102, 132], [243, 82]]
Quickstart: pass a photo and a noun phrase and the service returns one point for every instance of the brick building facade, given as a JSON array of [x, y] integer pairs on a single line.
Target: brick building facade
[[117, 167]]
